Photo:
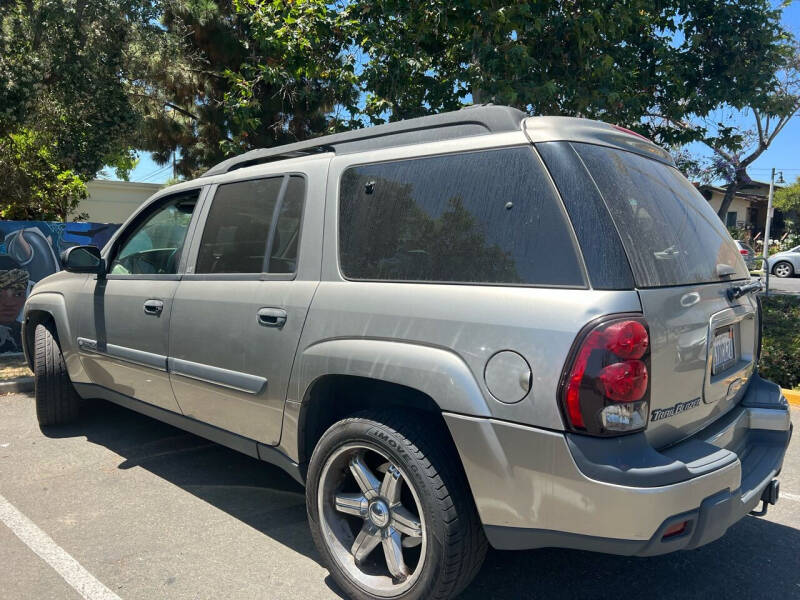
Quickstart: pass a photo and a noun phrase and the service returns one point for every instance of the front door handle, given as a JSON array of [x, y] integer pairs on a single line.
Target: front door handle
[[272, 317], [153, 307]]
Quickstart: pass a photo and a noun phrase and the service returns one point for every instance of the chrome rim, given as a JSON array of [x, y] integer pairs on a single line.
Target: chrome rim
[[372, 520], [782, 270]]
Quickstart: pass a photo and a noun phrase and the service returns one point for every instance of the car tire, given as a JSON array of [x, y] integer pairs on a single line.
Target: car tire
[[57, 402], [783, 269], [446, 544]]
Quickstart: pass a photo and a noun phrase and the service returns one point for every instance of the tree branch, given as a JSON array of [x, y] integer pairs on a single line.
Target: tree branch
[[760, 129], [784, 121], [183, 111]]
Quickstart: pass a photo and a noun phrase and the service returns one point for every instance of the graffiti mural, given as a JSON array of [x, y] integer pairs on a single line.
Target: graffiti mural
[[29, 252]]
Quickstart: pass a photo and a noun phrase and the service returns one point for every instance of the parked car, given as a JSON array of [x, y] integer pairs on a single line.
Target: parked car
[[465, 328], [786, 263], [748, 254]]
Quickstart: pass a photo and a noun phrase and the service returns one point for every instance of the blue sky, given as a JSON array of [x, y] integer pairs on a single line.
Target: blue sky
[[784, 154]]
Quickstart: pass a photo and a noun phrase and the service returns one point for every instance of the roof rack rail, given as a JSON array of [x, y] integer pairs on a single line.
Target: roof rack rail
[[470, 121]]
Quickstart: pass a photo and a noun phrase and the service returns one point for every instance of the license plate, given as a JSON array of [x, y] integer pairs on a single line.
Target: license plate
[[724, 350]]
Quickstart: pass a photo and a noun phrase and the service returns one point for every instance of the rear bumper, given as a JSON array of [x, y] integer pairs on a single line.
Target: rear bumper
[[536, 488]]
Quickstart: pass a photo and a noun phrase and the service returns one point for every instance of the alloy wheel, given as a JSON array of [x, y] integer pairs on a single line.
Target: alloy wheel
[[783, 270], [372, 520]]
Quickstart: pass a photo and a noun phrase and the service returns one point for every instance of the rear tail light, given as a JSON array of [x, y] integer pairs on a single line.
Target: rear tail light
[[744, 252], [605, 389]]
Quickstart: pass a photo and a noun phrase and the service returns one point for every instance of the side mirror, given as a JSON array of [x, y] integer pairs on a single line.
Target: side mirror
[[83, 259]]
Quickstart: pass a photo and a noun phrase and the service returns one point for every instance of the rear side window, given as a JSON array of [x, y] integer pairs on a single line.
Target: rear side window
[[671, 234], [477, 217], [245, 218]]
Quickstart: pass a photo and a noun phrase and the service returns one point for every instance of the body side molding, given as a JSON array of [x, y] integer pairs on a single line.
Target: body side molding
[[243, 382]]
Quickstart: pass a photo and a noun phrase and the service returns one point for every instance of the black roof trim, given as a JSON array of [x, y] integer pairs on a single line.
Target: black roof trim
[[473, 120]]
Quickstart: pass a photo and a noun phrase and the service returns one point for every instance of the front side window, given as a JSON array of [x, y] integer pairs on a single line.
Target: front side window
[[155, 245], [247, 217], [476, 217]]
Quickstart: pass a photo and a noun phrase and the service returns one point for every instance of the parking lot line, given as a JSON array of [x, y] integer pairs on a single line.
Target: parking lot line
[[54, 555]]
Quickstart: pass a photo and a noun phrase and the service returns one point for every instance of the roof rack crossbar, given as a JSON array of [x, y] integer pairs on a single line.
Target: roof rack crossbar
[[477, 120]]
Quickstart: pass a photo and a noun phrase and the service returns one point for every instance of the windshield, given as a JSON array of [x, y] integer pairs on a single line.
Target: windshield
[[671, 234]]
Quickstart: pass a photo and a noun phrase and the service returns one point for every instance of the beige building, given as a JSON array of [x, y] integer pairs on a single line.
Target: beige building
[[114, 201], [748, 209]]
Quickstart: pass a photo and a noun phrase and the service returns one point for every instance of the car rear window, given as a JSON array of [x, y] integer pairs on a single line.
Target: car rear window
[[475, 217], [670, 233]]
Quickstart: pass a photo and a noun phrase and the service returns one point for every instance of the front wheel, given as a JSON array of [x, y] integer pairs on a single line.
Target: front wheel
[[57, 403], [390, 510], [783, 269]]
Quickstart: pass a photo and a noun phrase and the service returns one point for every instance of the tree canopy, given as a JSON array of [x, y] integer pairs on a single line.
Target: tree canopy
[[205, 79], [788, 198]]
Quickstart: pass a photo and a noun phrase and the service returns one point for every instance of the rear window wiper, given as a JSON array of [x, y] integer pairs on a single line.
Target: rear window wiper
[[724, 270]]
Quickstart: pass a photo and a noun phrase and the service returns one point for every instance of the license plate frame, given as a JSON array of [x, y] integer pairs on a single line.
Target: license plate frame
[[723, 350]]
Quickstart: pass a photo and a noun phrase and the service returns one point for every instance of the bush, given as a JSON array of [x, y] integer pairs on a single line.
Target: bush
[[780, 351]]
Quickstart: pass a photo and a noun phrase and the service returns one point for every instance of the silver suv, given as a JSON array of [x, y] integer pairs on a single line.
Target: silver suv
[[466, 328]]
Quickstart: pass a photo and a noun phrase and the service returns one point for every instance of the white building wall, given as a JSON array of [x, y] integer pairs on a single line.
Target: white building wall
[[739, 206], [114, 201]]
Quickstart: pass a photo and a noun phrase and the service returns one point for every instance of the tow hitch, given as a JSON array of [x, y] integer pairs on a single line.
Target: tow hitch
[[768, 496]]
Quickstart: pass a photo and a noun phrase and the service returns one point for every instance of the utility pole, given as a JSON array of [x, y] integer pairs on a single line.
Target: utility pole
[[767, 227]]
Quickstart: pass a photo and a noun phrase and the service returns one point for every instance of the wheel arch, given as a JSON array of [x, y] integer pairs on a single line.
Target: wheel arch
[[33, 319], [334, 397], [49, 308], [337, 378]]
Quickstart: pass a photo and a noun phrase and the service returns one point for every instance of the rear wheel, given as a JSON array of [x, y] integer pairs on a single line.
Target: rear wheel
[[57, 403], [390, 510], [783, 269]]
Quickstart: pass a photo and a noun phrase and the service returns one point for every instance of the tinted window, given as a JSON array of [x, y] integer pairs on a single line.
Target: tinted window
[[489, 217], [283, 257], [154, 246], [239, 226], [671, 234]]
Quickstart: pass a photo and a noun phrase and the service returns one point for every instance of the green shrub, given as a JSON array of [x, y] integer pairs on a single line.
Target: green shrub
[[780, 351]]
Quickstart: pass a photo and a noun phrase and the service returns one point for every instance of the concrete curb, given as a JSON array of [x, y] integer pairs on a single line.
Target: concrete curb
[[792, 396], [17, 386]]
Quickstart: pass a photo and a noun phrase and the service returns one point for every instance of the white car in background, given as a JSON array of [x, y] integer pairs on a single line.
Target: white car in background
[[786, 263]]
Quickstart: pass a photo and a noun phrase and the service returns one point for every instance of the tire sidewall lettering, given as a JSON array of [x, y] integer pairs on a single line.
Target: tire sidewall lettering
[[384, 438]]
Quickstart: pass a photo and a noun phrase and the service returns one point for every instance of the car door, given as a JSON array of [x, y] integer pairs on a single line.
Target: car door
[[124, 333], [239, 311]]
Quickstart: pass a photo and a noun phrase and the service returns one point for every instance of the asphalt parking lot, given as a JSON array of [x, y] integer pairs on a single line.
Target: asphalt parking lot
[[790, 285], [149, 511]]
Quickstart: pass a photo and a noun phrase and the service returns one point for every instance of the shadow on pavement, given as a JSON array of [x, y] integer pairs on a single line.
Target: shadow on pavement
[[757, 558]]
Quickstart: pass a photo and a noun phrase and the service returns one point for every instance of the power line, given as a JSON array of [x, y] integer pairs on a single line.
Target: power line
[[154, 173]]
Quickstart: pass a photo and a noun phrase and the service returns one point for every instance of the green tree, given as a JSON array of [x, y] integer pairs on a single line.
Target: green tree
[[608, 59], [738, 134], [35, 186], [249, 74], [788, 198], [65, 73]]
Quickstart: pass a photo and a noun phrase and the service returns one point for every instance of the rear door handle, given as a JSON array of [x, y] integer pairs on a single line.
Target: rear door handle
[[271, 317], [153, 307]]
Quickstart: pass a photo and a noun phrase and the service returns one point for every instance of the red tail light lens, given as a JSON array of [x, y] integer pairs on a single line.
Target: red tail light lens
[[624, 381], [606, 389], [627, 339], [744, 252]]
